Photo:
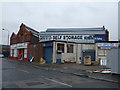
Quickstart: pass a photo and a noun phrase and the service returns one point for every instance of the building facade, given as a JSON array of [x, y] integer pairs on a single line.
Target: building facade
[[72, 44], [61, 45], [113, 62], [102, 49], [78, 35], [63, 52], [20, 42]]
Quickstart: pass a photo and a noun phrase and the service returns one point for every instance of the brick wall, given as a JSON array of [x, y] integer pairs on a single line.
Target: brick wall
[[37, 51]]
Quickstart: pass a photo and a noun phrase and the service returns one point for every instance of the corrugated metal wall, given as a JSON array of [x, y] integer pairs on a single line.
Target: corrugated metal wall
[[113, 60], [37, 51]]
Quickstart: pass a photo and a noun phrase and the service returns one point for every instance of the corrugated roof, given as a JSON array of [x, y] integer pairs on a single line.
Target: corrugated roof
[[72, 32], [30, 29], [74, 29]]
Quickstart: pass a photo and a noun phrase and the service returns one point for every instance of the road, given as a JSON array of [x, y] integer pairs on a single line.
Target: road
[[20, 75]]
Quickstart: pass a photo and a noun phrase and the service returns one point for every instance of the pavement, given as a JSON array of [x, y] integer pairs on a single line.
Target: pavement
[[76, 69]]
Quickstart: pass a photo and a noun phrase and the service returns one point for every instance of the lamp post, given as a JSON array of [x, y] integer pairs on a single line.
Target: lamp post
[[8, 34]]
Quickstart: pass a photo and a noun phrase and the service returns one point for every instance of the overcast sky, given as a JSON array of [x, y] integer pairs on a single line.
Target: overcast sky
[[41, 15]]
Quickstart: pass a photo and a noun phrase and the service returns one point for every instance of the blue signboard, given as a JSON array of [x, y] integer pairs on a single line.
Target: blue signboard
[[47, 44], [107, 47], [100, 37]]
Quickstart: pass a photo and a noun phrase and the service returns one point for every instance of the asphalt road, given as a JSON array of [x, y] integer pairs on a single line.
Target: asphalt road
[[20, 75]]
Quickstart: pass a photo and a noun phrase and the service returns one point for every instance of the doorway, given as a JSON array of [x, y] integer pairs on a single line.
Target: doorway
[[20, 54]]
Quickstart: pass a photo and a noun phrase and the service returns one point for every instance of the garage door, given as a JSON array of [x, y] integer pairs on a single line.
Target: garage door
[[48, 54]]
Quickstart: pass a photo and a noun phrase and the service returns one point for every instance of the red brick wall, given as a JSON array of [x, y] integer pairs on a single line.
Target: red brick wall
[[22, 36], [37, 51]]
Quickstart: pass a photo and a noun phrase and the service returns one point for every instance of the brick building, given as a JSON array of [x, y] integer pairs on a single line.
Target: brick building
[[21, 43]]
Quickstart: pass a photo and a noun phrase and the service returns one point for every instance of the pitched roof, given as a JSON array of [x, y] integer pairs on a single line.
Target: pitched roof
[[34, 32], [13, 35]]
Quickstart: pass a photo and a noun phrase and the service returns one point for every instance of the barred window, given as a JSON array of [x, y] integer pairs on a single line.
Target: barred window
[[69, 48], [60, 47], [102, 52]]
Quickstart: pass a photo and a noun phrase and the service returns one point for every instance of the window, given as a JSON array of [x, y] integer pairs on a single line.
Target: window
[[60, 47], [69, 48], [102, 52]]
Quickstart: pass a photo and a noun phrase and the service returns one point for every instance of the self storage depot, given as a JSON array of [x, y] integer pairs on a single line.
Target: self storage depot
[[72, 44]]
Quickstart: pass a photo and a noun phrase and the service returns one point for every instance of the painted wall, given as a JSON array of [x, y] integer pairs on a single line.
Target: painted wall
[[88, 47], [76, 56], [15, 47], [54, 52], [103, 48], [79, 53], [68, 57], [113, 60]]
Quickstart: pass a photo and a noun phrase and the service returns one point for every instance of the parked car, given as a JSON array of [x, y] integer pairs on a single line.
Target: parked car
[[1, 55]]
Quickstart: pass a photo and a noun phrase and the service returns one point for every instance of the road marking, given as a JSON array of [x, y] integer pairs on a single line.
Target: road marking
[[36, 66], [58, 82], [25, 71]]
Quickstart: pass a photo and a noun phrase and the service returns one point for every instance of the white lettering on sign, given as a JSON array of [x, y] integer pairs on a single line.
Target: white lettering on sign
[[19, 45], [73, 38], [108, 44]]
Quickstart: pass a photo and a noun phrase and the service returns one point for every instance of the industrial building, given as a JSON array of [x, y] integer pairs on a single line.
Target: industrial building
[[62, 45], [102, 50], [21, 44], [72, 44], [114, 62]]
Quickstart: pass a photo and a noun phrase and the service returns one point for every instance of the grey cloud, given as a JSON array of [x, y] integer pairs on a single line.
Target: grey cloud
[[42, 15]]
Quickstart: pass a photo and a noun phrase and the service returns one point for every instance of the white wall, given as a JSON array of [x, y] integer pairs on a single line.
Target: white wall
[[15, 52], [79, 54], [70, 57], [113, 60], [88, 46], [54, 52], [17, 46], [10, 52], [65, 56]]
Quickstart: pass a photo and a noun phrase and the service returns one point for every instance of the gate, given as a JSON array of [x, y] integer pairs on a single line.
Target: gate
[[88, 53]]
